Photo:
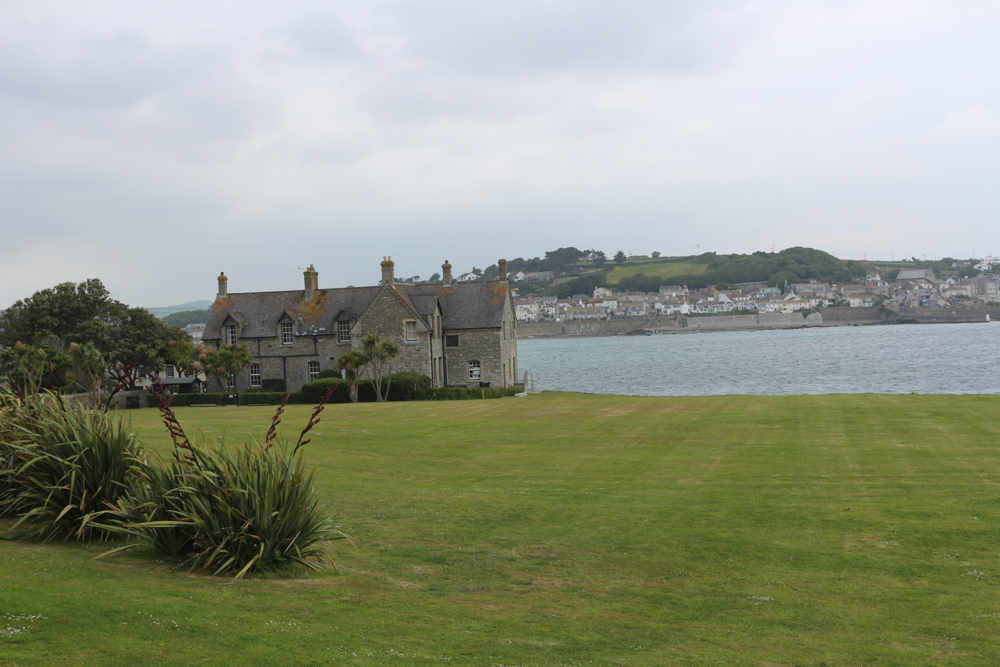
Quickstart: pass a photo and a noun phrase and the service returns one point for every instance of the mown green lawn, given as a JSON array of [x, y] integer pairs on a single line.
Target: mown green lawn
[[564, 529]]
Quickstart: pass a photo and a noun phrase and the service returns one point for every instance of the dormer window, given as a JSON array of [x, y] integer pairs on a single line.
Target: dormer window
[[231, 337], [286, 333], [344, 331]]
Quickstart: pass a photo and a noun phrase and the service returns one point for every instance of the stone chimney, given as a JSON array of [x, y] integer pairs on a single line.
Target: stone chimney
[[446, 273], [502, 268], [223, 283], [387, 271], [311, 281]]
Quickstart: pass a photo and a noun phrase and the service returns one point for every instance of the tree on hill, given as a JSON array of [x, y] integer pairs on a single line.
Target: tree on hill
[[186, 317], [620, 257], [656, 254], [562, 259], [598, 258]]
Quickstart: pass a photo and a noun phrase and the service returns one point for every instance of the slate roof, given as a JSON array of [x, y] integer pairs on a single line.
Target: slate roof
[[472, 305]]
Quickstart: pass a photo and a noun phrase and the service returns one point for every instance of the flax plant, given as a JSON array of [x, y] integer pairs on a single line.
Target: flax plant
[[63, 467], [230, 510]]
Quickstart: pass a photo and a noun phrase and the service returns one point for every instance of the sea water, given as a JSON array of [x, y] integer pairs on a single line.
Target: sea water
[[887, 359]]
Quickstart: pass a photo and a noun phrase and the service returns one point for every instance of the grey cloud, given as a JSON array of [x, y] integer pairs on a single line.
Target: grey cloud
[[322, 37], [593, 38]]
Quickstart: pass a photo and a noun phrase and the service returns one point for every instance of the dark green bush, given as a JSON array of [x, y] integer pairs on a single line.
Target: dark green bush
[[276, 385], [328, 374], [313, 391], [461, 393], [234, 510], [63, 466], [270, 398], [183, 400]]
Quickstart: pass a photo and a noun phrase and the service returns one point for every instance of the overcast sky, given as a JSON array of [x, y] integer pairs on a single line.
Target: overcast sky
[[154, 144]]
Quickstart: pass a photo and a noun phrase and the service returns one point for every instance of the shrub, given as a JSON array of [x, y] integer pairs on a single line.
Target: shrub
[[328, 374], [237, 510], [461, 393], [229, 510], [273, 384], [182, 400], [313, 391], [63, 466]]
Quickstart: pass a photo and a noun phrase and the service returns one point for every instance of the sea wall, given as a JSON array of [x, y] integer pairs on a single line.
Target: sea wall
[[593, 327], [944, 315], [862, 315], [823, 317]]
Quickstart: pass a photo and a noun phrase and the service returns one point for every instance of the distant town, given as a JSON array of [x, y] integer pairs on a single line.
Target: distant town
[[911, 288]]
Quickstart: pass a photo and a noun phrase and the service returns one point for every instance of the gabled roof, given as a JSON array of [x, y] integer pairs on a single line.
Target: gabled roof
[[470, 305]]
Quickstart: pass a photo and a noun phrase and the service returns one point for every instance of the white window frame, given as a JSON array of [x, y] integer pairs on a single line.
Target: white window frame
[[313, 369], [168, 371], [475, 370], [232, 336], [410, 327], [254, 375], [343, 331], [286, 333]]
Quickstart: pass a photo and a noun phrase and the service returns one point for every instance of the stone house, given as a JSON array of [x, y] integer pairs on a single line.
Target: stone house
[[458, 334]]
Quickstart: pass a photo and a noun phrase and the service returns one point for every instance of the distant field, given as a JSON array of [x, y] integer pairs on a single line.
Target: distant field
[[664, 269], [565, 529]]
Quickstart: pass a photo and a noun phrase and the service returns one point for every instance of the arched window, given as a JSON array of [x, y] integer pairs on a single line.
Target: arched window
[[313, 370], [475, 371]]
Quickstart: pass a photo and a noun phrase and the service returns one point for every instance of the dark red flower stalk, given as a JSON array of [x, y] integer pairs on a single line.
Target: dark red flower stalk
[[313, 420], [272, 432], [170, 420], [123, 381]]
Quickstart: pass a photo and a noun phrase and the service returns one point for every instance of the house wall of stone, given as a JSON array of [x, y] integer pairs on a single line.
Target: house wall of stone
[[286, 362], [386, 316], [482, 345]]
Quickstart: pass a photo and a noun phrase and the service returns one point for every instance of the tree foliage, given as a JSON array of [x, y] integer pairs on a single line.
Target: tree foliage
[[228, 362], [380, 354], [85, 314]]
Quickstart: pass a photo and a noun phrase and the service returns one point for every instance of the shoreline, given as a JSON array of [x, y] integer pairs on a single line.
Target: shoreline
[[688, 325]]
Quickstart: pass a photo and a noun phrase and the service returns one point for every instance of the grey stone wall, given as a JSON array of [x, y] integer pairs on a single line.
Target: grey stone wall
[[482, 345], [386, 316]]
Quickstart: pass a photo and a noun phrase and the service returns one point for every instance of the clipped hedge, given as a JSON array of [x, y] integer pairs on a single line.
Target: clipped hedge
[[313, 391], [402, 387], [271, 398], [462, 394], [183, 400]]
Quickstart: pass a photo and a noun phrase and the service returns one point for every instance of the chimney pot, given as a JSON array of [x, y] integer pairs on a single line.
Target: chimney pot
[[223, 284], [388, 277], [311, 279], [446, 273]]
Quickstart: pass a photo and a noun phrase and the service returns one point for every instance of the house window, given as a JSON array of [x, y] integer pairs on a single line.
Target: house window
[[411, 330], [168, 371], [254, 375], [286, 333], [231, 337], [475, 372], [344, 331], [313, 370], [451, 340]]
